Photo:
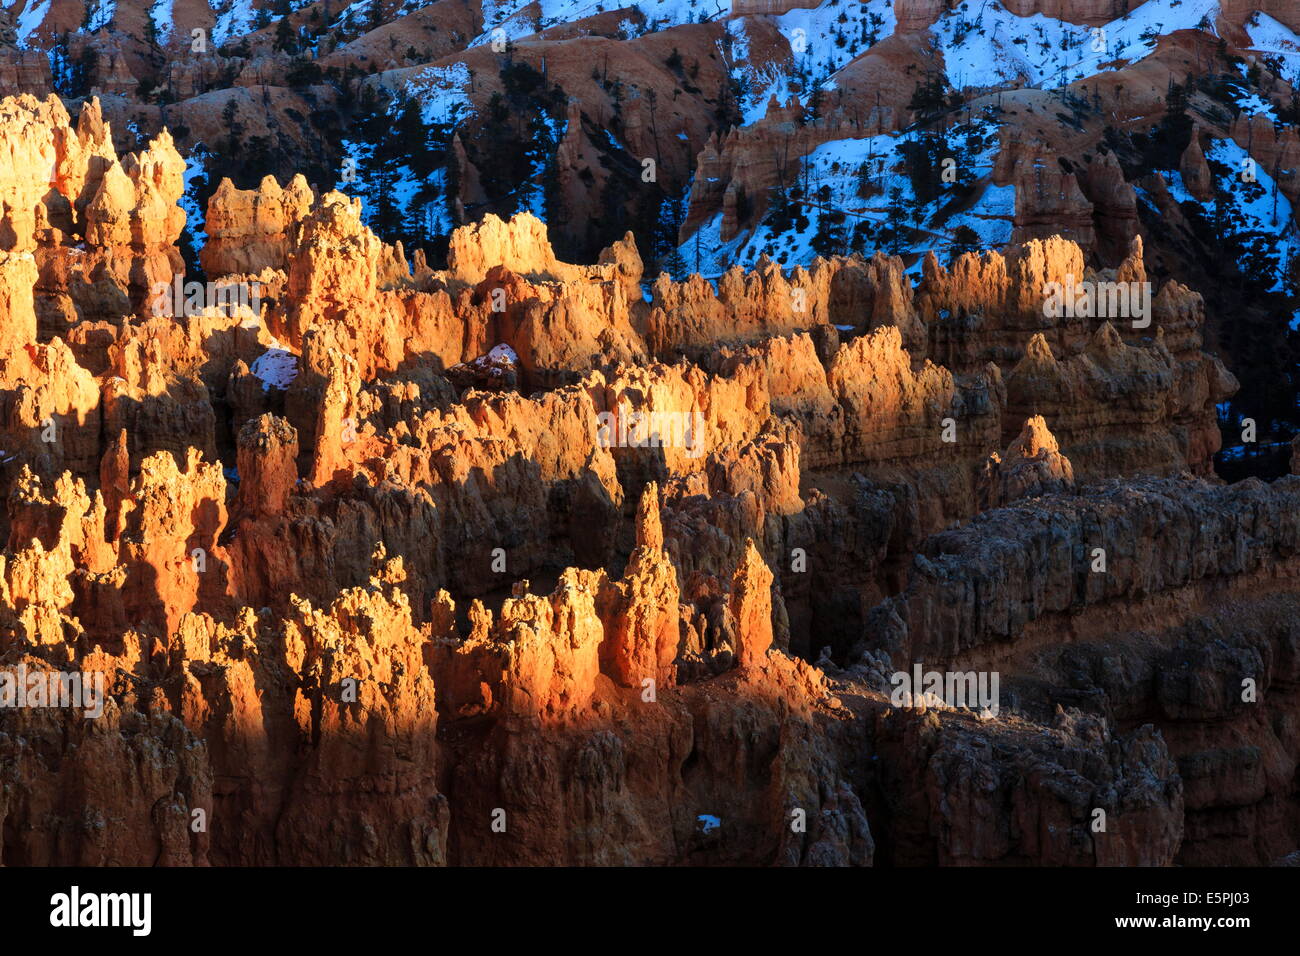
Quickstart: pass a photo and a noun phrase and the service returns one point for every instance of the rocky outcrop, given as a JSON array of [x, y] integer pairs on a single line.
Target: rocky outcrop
[[249, 230], [1140, 576], [1031, 466], [1051, 552], [848, 293], [102, 229], [521, 246]]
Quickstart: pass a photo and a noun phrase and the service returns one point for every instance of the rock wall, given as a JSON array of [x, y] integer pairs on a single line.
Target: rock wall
[[1166, 608]]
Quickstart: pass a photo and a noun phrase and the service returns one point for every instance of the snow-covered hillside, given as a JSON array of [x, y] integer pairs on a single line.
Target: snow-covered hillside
[[878, 193], [985, 45], [822, 41], [1273, 39], [515, 19], [1249, 213]]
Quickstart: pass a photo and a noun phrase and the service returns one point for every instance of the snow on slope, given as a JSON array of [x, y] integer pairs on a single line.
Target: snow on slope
[[442, 92], [758, 82], [822, 42], [415, 199], [234, 19], [189, 198], [826, 38], [985, 45], [30, 19], [1274, 39], [161, 15], [516, 19], [277, 367], [1253, 215], [99, 13], [890, 217], [359, 17], [1249, 101]]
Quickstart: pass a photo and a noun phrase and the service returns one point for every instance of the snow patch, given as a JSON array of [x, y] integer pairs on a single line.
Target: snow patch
[[1256, 216], [1272, 38], [161, 14], [985, 45], [99, 13], [522, 18], [823, 40], [866, 181], [234, 18], [30, 19], [189, 200], [441, 91], [277, 367]]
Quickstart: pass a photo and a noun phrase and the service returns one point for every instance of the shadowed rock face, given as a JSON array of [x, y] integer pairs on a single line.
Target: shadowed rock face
[[504, 564]]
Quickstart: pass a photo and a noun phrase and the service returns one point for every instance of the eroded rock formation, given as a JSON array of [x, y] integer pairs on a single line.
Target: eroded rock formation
[[509, 563]]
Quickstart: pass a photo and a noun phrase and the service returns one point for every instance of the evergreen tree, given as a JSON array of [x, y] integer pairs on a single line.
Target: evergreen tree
[[964, 239]]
